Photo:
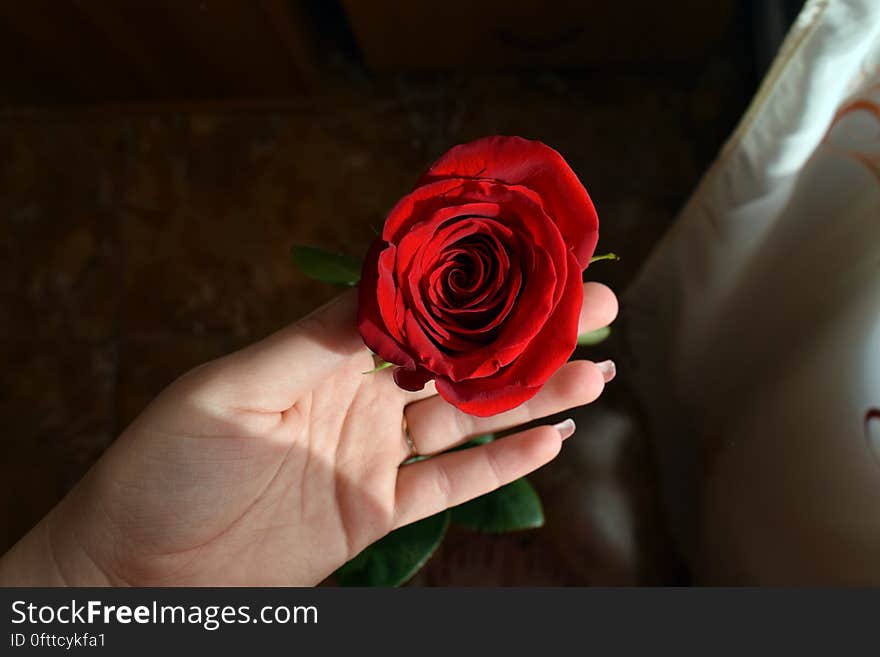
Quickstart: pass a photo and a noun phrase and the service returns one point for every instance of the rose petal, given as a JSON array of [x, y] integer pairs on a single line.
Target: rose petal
[[524, 214], [369, 318], [528, 316], [415, 207], [524, 377], [484, 402], [388, 295], [532, 164], [412, 380], [556, 341]]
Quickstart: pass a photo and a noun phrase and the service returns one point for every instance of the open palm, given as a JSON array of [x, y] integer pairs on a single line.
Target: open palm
[[278, 463]]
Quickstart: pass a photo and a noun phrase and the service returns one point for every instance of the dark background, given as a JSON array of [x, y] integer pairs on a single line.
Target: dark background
[[158, 159]]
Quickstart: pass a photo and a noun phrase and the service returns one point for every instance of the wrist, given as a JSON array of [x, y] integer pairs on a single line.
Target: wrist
[[53, 553]]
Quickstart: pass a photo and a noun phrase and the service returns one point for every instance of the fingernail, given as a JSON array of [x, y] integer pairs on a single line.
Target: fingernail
[[608, 369], [565, 428]]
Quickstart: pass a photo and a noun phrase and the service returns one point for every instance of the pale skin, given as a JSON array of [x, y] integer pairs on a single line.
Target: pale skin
[[278, 463]]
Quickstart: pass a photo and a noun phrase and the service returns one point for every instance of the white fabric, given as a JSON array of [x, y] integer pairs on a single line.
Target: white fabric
[[755, 325]]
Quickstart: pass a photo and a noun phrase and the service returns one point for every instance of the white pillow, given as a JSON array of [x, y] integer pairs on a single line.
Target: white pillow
[[755, 325]]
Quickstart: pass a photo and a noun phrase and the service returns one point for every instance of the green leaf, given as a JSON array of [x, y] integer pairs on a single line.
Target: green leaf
[[604, 256], [510, 508], [394, 559], [594, 337], [326, 266], [475, 442]]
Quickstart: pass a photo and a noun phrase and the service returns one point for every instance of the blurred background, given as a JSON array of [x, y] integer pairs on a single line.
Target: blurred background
[[158, 159]]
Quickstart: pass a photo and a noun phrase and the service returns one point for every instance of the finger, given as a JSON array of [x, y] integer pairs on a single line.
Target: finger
[[430, 486], [434, 425], [271, 374], [599, 309]]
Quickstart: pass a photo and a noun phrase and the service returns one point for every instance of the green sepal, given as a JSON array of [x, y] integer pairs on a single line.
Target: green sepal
[[384, 365], [593, 337], [327, 266], [605, 256]]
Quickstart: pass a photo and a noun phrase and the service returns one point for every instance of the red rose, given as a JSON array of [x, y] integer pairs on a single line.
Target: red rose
[[476, 280]]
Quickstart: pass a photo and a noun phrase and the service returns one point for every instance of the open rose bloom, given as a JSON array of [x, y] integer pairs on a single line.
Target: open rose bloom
[[476, 279]]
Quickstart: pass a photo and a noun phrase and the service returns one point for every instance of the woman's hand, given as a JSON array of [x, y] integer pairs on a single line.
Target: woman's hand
[[278, 463]]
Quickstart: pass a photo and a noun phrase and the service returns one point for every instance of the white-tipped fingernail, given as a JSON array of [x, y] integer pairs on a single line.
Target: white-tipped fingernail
[[565, 428], [608, 369]]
